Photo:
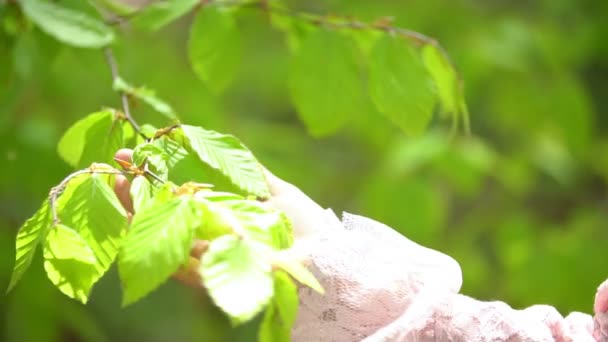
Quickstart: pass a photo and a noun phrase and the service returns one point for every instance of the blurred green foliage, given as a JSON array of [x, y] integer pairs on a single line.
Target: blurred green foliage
[[521, 203]]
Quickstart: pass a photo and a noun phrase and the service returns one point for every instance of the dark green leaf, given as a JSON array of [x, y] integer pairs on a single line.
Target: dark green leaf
[[70, 263], [400, 85], [226, 154], [94, 138], [67, 25], [236, 277], [281, 313], [162, 13], [90, 207], [157, 243], [215, 47], [325, 82], [28, 238], [147, 95]]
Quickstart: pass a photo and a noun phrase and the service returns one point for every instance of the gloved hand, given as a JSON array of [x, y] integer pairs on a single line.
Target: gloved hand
[[380, 286]]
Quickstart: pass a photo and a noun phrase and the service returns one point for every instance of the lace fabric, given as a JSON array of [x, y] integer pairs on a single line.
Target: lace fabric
[[380, 286]]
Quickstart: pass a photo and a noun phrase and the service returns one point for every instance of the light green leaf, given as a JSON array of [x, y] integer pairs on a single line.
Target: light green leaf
[[281, 313], [90, 207], [325, 82], [444, 76], [70, 263], [261, 222], [399, 84], [162, 13], [156, 159], [298, 271], [237, 279], [294, 29], [157, 243], [119, 7], [226, 154], [28, 238], [67, 25], [148, 96], [94, 138], [226, 212], [172, 149], [214, 47], [142, 192]]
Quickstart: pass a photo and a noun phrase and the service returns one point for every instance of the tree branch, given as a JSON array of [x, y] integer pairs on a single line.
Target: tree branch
[[124, 98]]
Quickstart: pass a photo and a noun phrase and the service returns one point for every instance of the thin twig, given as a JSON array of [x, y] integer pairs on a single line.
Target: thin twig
[[124, 97], [57, 190]]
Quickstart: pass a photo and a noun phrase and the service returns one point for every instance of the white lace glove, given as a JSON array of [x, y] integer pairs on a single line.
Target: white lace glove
[[380, 286]]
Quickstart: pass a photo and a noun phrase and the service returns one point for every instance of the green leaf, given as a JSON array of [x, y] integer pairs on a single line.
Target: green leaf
[[226, 154], [119, 7], [67, 25], [162, 13], [399, 84], [298, 271], [172, 149], [325, 82], [261, 222], [142, 192], [281, 312], [444, 76], [156, 159], [157, 243], [70, 263], [148, 96], [28, 238], [225, 212], [237, 279], [90, 207], [214, 47], [94, 138]]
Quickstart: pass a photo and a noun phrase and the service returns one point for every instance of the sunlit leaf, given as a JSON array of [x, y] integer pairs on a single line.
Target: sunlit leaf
[[225, 212], [119, 7], [444, 76], [281, 313], [325, 82], [399, 84], [156, 160], [157, 243], [298, 271], [226, 154], [90, 207], [214, 47], [162, 13], [237, 279], [172, 149], [70, 263], [94, 138], [67, 25], [142, 192], [147, 95], [28, 238]]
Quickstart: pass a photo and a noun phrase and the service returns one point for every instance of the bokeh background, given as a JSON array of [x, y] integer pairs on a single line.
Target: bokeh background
[[521, 203]]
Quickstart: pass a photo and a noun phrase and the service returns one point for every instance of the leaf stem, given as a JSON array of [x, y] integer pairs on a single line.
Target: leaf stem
[[124, 96]]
